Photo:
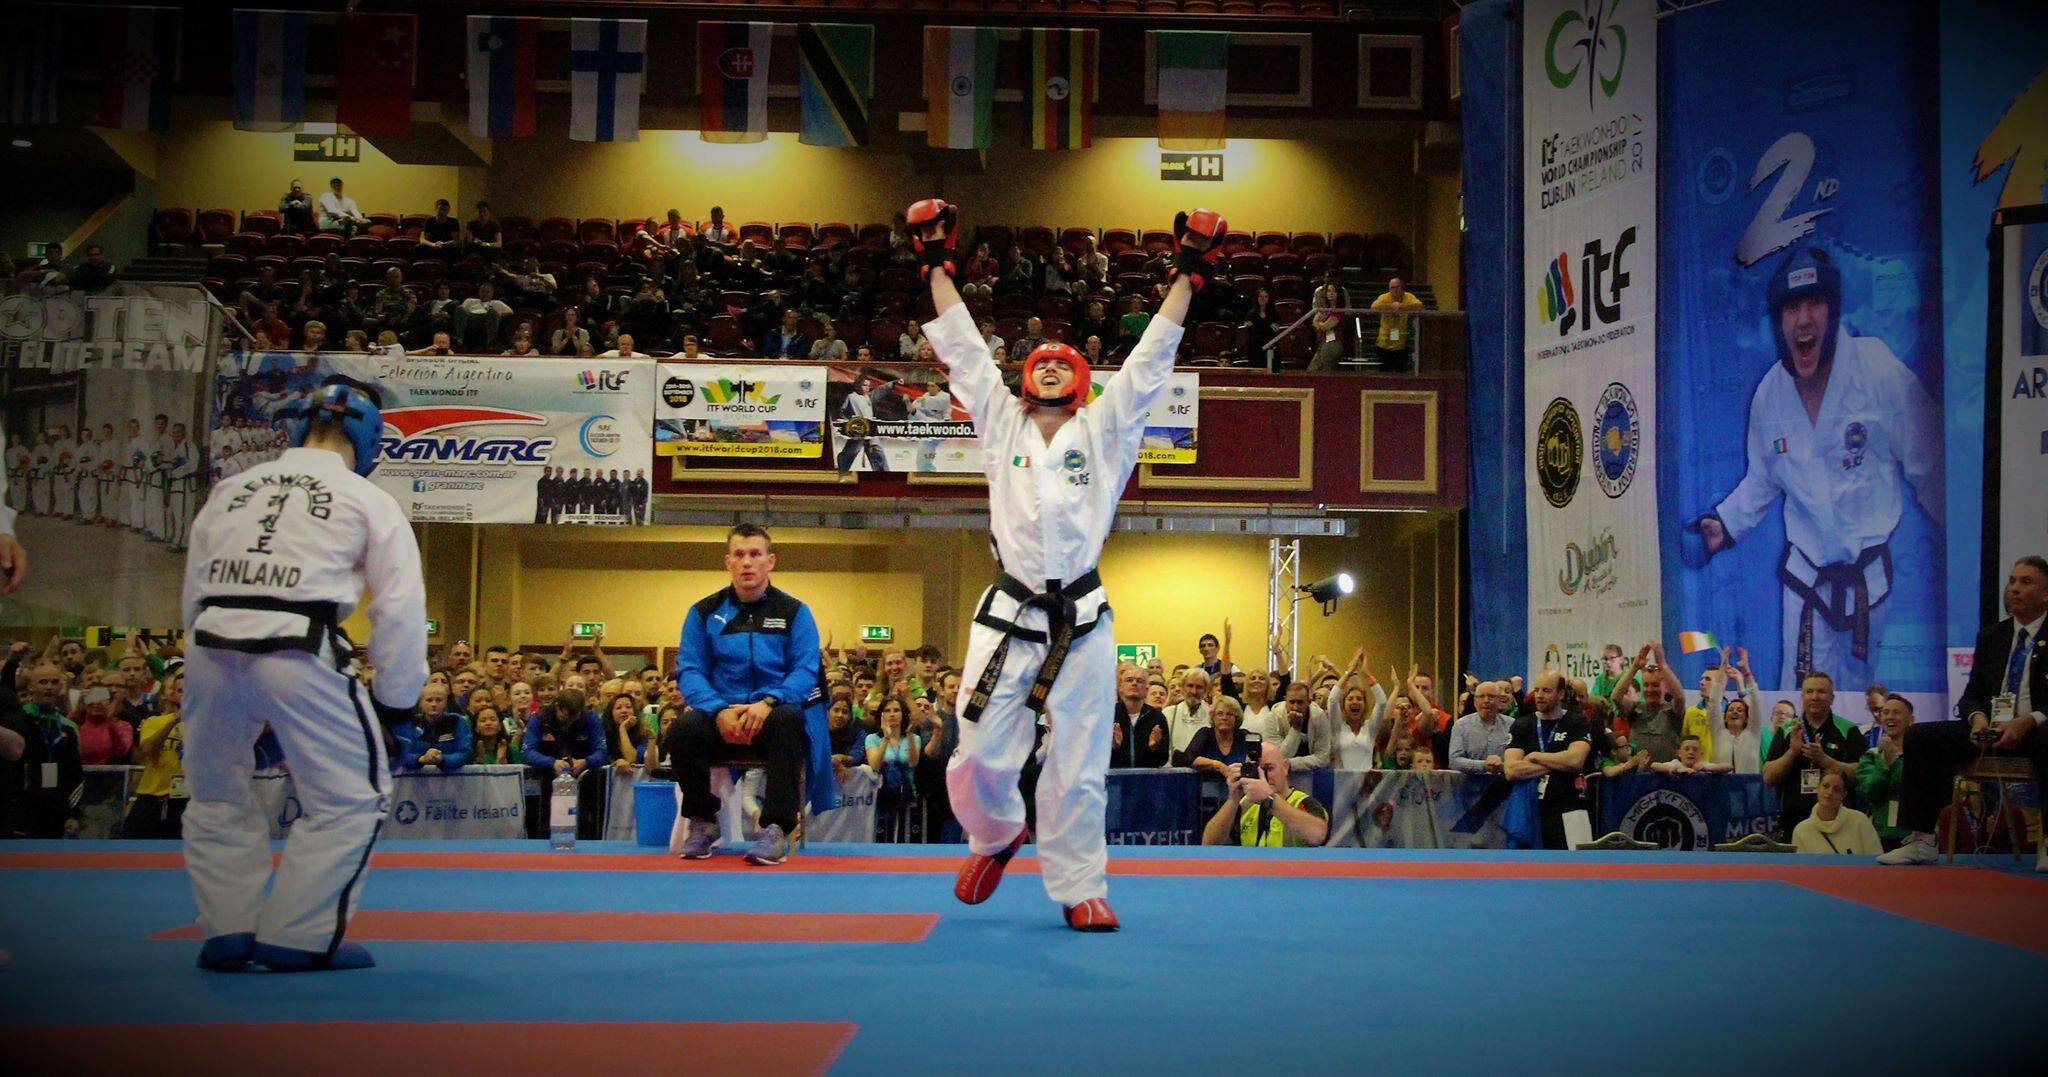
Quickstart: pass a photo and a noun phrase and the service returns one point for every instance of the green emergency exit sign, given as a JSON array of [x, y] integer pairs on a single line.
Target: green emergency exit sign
[[1136, 652], [876, 633], [587, 629], [433, 628]]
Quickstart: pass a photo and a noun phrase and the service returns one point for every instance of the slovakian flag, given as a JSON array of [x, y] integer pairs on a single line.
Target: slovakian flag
[[607, 65], [959, 86], [374, 81], [32, 63], [270, 69], [139, 53], [836, 80], [503, 52], [1193, 66], [1059, 83], [732, 80]]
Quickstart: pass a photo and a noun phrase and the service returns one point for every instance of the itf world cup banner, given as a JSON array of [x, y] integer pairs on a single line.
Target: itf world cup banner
[[471, 440], [1589, 146], [2023, 383], [1800, 411], [740, 410]]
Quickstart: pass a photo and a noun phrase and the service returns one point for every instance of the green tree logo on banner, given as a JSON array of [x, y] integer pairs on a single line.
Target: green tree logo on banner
[[1586, 32]]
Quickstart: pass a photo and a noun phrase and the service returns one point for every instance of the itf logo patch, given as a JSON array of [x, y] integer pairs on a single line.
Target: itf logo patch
[[1560, 452], [1855, 441], [1620, 435]]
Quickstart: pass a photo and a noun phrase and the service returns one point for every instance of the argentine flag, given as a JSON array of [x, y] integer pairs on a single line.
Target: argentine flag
[[270, 69]]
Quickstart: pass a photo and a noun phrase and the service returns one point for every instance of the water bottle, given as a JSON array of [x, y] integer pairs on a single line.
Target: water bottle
[[562, 812]]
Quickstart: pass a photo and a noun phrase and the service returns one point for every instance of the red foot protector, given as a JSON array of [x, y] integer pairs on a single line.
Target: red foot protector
[[463, 925], [392, 1048]]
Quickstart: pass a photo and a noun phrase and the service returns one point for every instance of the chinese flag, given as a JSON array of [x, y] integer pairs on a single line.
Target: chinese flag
[[375, 74]]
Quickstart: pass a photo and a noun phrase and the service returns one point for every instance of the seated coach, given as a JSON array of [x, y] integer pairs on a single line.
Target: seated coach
[[748, 670]]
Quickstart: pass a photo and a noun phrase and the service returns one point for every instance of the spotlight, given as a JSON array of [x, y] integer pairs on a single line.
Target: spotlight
[[1328, 590], [21, 143]]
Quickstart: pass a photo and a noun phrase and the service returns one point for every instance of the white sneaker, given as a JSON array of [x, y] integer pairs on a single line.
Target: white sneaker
[[1919, 850]]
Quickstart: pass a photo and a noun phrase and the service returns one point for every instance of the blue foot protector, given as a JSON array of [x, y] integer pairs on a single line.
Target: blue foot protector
[[227, 953], [348, 955]]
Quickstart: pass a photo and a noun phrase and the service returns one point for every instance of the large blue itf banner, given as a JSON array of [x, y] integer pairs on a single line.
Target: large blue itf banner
[[1799, 389]]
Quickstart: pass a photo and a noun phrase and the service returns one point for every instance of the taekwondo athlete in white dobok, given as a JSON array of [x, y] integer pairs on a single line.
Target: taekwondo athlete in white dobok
[[13, 559], [1835, 426], [1042, 641], [279, 558]]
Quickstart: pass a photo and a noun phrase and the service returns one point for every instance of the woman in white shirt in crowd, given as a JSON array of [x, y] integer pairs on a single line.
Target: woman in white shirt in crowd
[[1834, 828]]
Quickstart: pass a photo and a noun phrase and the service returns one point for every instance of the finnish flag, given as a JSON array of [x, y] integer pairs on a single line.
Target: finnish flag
[[607, 64], [270, 69]]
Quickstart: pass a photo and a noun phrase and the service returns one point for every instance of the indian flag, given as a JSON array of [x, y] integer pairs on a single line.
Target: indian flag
[[959, 85], [1695, 642], [1192, 65]]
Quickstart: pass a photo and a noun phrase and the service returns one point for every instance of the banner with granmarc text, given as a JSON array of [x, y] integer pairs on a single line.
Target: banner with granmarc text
[[1589, 145], [739, 410]]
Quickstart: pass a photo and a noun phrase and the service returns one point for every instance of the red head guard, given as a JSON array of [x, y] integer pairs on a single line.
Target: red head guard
[[1055, 350]]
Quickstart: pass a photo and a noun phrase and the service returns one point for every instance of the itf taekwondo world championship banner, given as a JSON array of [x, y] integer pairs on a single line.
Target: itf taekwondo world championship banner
[[1801, 379], [889, 420], [1589, 112], [739, 410], [2023, 381], [473, 440]]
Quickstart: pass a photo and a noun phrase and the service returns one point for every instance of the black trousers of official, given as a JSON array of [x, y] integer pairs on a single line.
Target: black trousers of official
[[695, 747], [1935, 752]]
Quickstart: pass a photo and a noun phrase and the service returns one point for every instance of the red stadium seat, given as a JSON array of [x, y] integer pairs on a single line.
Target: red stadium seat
[[637, 224], [307, 263], [999, 237], [1248, 262], [835, 232], [1239, 7], [1083, 7], [322, 244], [1213, 340], [595, 228], [1385, 254], [246, 244], [761, 232], [1287, 288], [413, 222], [1121, 7], [1284, 264], [601, 251], [896, 279], [427, 270], [1317, 264], [1200, 7], [364, 247], [1129, 283], [1156, 240], [1055, 305], [874, 235], [518, 228], [556, 228], [227, 266], [379, 267], [1010, 328], [216, 225], [171, 227], [384, 220], [1036, 239], [280, 266], [1160, 7], [1314, 9], [401, 246], [1116, 241], [726, 338], [558, 250], [285, 245], [1249, 283], [1058, 329], [1235, 241], [1348, 247], [735, 300], [795, 230], [1277, 9], [1012, 303], [1306, 242], [1076, 239], [1129, 262], [854, 331], [1285, 311], [263, 222], [892, 302], [1270, 243]]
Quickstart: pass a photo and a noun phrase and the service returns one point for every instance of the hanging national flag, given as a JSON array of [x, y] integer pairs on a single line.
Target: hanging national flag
[[607, 65], [270, 69], [1059, 82], [502, 55], [959, 85], [836, 79], [1192, 65], [732, 80], [1695, 642], [374, 80], [139, 53], [32, 63]]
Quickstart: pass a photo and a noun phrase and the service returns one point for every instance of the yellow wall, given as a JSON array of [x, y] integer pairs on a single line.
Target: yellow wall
[[1166, 588], [213, 166], [1326, 186], [1440, 240]]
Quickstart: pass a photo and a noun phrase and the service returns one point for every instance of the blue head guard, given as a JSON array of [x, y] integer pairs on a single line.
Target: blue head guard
[[1806, 271], [352, 404]]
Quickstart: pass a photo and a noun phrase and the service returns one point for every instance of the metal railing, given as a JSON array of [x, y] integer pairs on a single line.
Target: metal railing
[[1361, 357]]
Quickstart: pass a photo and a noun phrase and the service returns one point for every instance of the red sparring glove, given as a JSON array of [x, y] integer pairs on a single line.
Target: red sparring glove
[[1201, 248], [934, 234]]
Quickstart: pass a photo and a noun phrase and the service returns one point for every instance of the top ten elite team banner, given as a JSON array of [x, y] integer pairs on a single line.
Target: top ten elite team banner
[[1589, 144]]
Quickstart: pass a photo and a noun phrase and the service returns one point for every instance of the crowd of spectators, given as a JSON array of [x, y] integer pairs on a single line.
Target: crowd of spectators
[[893, 712], [440, 284]]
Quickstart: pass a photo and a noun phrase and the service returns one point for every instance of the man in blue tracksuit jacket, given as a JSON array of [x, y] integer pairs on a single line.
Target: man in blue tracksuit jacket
[[748, 668], [567, 739]]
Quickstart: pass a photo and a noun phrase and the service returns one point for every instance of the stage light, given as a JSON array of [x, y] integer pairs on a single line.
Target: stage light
[[21, 143], [1328, 590]]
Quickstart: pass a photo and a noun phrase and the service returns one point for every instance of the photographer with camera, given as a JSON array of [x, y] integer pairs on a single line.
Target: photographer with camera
[[1261, 808]]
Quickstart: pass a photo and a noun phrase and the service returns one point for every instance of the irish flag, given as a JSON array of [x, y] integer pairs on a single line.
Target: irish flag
[[959, 85], [1695, 642], [1192, 66]]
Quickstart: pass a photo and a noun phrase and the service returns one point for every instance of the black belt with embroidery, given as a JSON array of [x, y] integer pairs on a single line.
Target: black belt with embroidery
[[1059, 604]]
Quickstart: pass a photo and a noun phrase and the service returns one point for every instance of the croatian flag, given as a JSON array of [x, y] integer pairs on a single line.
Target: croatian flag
[[502, 53], [32, 63], [139, 54], [270, 69], [607, 63]]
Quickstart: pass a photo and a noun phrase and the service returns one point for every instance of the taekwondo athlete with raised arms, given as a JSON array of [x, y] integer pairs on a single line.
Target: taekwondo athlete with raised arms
[[1042, 642], [279, 559], [1838, 426]]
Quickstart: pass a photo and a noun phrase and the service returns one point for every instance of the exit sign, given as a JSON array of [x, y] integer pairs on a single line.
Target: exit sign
[[433, 627], [1139, 653], [876, 634], [586, 629], [1191, 166]]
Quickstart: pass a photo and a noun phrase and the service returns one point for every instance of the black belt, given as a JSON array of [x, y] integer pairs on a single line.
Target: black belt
[[1059, 604], [323, 626], [1840, 595]]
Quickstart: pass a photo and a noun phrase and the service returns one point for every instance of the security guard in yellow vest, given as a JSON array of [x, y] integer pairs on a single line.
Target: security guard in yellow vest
[[1262, 810]]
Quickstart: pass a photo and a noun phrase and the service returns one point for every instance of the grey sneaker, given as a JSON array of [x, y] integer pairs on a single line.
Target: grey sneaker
[[702, 841], [769, 847]]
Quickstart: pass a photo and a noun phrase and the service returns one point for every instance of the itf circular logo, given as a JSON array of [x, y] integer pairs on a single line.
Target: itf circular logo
[[1074, 460], [407, 814], [1560, 452], [1716, 177], [1618, 437], [599, 436], [678, 392], [2037, 290], [1667, 819]]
